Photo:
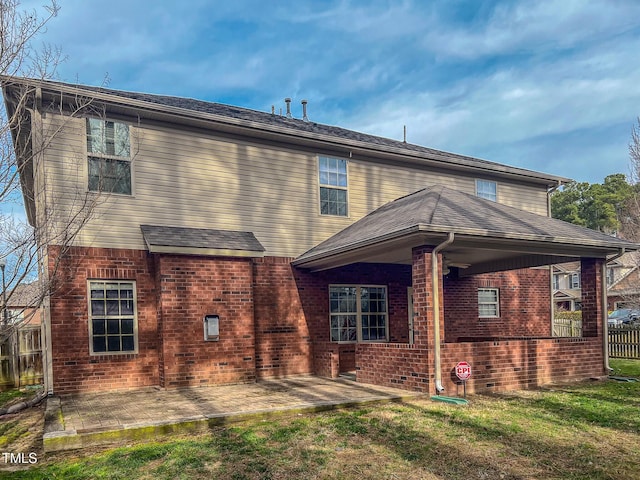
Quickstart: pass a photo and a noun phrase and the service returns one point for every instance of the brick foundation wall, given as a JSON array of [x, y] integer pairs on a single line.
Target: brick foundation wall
[[283, 343], [521, 364], [74, 370], [496, 366], [525, 303], [394, 365]]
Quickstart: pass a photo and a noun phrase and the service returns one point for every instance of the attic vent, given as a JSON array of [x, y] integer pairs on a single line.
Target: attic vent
[[304, 111], [288, 102]]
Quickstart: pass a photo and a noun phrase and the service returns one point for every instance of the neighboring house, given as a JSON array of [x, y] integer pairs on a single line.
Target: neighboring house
[[567, 295], [622, 278], [230, 245], [23, 305], [623, 282], [20, 346]]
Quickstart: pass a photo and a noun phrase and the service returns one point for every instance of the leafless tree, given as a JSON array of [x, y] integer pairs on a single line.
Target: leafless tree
[[24, 136], [630, 215], [19, 57]]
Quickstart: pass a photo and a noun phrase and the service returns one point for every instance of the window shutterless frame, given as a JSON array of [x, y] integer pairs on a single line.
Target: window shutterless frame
[[112, 317], [356, 313], [487, 189], [109, 163], [333, 186], [488, 303]]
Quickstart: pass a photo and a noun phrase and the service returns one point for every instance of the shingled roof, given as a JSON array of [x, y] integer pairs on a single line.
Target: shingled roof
[[164, 239], [263, 122], [440, 210]]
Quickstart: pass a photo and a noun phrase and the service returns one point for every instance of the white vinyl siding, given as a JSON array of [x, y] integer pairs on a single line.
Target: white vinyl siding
[[194, 179]]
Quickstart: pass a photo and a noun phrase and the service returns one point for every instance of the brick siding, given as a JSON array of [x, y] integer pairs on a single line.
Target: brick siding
[[74, 370], [525, 305], [274, 321], [190, 288]]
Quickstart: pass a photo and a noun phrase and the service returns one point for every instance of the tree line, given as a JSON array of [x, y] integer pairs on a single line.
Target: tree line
[[612, 207]]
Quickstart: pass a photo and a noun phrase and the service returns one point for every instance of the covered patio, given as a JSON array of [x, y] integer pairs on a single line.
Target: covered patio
[[467, 279]]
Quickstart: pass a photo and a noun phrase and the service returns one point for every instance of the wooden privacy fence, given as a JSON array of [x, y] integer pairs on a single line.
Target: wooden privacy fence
[[624, 342], [567, 326], [21, 358]]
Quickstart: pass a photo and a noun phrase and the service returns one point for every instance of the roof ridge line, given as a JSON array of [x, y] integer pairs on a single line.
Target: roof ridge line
[[435, 206]]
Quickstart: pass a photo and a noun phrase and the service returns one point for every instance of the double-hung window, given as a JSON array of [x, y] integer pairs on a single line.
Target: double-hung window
[[488, 303], [109, 156], [112, 317], [332, 174], [358, 313], [575, 280], [487, 189]]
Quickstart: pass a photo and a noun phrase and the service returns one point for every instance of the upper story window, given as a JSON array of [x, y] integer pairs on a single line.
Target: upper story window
[[610, 276], [575, 280], [109, 156], [332, 174], [487, 189], [556, 281]]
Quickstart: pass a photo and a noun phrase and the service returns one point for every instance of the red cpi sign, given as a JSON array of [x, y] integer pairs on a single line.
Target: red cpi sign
[[463, 371]]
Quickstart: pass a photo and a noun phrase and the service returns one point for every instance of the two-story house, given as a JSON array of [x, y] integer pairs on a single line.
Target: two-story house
[[227, 245]]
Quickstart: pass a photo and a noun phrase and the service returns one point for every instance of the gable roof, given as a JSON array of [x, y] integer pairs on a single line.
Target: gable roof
[[263, 124], [199, 241], [435, 211]]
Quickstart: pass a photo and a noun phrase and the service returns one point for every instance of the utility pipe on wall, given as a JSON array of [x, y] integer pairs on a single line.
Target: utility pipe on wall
[[605, 312], [436, 311]]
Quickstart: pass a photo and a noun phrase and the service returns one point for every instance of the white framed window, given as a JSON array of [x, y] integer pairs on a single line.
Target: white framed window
[[556, 281], [108, 156], [113, 320], [488, 302], [332, 176], [358, 313], [487, 189], [575, 280], [15, 316]]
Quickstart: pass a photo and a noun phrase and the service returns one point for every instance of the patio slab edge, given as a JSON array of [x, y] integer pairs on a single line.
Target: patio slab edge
[[61, 440]]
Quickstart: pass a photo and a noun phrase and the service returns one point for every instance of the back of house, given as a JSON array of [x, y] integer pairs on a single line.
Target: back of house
[[170, 230]]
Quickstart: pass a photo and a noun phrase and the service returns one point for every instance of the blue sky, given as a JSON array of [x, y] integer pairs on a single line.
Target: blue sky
[[550, 85]]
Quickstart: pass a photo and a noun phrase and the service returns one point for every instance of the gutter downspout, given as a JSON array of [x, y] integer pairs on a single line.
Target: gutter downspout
[[436, 311], [605, 316]]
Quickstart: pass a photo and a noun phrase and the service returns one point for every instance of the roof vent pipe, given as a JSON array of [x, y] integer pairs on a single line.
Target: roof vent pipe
[[288, 102], [304, 111]]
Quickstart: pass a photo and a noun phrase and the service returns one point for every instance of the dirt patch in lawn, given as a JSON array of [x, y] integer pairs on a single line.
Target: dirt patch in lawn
[[21, 436]]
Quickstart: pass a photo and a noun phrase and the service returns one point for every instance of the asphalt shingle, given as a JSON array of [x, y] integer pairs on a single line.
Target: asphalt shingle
[[444, 209], [200, 238]]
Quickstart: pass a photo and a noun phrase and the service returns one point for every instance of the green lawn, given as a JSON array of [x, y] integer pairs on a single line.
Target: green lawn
[[580, 431]]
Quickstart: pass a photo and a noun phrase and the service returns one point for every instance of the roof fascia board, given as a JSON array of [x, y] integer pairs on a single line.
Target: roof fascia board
[[564, 250]]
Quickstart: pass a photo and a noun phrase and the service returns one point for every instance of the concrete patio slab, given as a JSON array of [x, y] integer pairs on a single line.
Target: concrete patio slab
[[78, 421]]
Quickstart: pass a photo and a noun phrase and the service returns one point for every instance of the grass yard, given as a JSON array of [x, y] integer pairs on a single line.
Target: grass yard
[[579, 431]]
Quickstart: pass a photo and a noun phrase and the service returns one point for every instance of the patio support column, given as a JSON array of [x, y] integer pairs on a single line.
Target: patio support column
[[422, 297], [593, 303]]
